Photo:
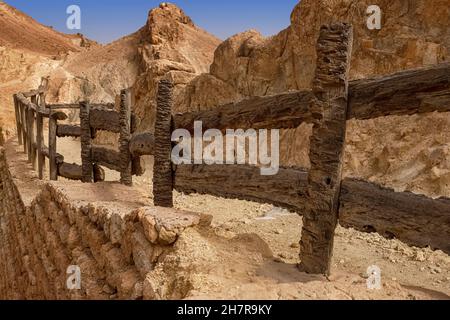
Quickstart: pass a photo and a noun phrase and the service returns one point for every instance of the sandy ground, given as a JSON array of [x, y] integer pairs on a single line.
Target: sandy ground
[[256, 252]]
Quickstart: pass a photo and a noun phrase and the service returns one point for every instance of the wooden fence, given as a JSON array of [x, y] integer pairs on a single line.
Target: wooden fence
[[31, 110], [319, 193]]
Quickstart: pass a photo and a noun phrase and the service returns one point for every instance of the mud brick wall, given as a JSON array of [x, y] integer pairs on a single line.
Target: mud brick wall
[[115, 251]]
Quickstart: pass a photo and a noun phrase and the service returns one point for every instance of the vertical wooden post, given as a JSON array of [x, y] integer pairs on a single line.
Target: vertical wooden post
[[18, 120], [52, 128], [23, 117], [162, 170], [32, 131], [87, 166], [327, 147], [40, 143], [126, 177], [29, 133]]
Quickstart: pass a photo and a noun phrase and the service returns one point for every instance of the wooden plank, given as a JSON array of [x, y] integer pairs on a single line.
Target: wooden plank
[[282, 111], [162, 169], [70, 171], [52, 127], [40, 144], [330, 87], [65, 130], [32, 119], [126, 176], [404, 93], [18, 120], [414, 219], [77, 105], [46, 153], [22, 109], [86, 143], [106, 157], [286, 189], [142, 144], [102, 119]]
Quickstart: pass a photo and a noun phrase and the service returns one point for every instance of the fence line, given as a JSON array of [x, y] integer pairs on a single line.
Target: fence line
[[31, 109], [319, 194]]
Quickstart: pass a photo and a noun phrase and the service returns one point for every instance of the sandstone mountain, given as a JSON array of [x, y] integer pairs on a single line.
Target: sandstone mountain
[[169, 43]]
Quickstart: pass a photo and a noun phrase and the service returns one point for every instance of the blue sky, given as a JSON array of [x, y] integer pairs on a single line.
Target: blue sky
[[108, 20]]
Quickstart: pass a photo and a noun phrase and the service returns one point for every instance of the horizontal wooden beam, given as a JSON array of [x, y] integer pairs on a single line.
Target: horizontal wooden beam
[[65, 130], [283, 111], [77, 105], [404, 93], [414, 219], [70, 171], [142, 144], [74, 172], [102, 119], [286, 189], [106, 157]]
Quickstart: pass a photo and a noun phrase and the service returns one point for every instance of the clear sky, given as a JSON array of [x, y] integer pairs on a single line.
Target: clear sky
[[108, 20]]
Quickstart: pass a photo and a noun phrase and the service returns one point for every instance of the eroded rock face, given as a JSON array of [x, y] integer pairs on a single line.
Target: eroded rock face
[[413, 34], [171, 47]]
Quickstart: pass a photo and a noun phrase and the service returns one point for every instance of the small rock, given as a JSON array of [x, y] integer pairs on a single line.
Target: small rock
[[295, 245], [278, 231], [436, 270], [342, 261], [419, 256]]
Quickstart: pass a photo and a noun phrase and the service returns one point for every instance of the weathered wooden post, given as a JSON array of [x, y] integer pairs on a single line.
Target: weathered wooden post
[[125, 137], [87, 167], [32, 118], [18, 119], [162, 169], [40, 136], [23, 117], [330, 88], [29, 132]]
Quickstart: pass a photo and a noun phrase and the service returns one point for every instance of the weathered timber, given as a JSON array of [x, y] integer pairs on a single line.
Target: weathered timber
[[404, 93], [411, 218], [75, 172], [65, 130], [99, 173], [40, 144], [52, 128], [46, 153], [103, 119], [286, 189], [142, 144], [125, 163], [70, 171], [137, 166], [330, 88], [22, 111], [162, 170], [32, 119], [86, 143], [282, 111], [18, 119], [77, 106], [106, 157]]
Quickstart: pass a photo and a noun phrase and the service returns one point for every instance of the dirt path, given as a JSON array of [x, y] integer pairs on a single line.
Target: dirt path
[[407, 272]]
